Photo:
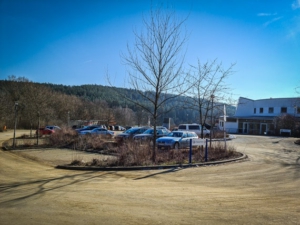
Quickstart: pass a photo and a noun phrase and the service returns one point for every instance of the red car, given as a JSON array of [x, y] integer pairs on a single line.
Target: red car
[[47, 130]]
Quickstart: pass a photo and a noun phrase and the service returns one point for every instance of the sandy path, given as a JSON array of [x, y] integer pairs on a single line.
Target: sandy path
[[262, 190]]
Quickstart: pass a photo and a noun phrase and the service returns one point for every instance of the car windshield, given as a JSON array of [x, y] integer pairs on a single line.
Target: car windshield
[[149, 131], [175, 134], [131, 131]]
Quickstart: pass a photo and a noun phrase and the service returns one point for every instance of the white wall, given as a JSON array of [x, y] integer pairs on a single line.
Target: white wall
[[246, 106]]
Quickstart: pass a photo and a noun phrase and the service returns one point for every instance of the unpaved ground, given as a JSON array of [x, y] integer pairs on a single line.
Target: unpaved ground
[[262, 190]]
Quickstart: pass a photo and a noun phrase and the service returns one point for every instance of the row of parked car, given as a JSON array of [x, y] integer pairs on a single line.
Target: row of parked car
[[142, 133], [165, 138]]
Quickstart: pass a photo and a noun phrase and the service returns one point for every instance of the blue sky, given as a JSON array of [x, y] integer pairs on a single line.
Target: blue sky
[[75, 42]]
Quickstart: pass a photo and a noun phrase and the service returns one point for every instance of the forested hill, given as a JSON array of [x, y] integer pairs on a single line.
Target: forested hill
[[93, 92], [54, 103]]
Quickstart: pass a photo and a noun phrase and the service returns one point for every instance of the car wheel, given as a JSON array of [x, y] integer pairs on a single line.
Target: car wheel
[[176, 146]]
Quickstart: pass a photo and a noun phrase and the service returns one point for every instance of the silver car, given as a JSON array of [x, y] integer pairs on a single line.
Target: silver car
[[176, 140]]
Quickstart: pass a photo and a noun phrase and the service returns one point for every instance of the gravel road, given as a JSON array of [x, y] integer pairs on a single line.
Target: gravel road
[[265, 189]]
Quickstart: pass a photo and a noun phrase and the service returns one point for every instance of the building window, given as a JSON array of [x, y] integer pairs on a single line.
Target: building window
[[254, 110], [261, 110], [283, 109], [271, 110], [298, 110]]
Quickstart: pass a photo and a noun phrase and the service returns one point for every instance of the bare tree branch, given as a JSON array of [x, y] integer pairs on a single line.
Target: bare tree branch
[[156, 62]]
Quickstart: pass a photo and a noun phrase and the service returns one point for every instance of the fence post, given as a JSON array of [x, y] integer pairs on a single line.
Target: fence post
[[190, 155], [206, 151]]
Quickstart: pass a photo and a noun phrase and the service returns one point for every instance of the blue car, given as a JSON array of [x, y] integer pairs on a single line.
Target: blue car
[[148, 135], [98, 131], [176, 140], [130, 133], [89, 128]]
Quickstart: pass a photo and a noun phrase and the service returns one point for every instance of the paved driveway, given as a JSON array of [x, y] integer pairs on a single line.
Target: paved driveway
[[262, 190]]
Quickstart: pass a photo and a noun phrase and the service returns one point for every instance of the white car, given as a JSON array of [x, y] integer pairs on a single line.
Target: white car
[[195, 128]]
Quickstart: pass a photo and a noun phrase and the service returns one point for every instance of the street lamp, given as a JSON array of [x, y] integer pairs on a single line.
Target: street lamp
[[211, 119], [16, 111]]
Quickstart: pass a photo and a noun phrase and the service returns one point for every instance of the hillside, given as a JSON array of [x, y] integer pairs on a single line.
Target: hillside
[[57, 104], [95, 92]]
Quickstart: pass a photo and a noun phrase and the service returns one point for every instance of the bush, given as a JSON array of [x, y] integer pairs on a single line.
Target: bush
[[218, 152], [63, 138], [219, 134], [69, 138], [133, 154]]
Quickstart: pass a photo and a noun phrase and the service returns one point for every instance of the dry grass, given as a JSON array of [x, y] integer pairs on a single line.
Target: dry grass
[[69, 138], [133, 154]]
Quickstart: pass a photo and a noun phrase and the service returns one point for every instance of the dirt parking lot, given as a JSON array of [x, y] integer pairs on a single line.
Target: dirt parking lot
[[265, 189]]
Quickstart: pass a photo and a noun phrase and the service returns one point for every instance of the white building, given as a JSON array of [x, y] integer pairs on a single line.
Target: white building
[[257, 116]]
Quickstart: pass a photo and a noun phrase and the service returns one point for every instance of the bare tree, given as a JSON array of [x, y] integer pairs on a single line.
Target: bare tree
[[156, 62], [36, 100], [13, 92], [208, 85], [5, 113]]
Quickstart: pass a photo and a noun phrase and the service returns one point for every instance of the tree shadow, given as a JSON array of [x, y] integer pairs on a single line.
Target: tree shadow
[[162, 172], [295, 166], [12, 190]]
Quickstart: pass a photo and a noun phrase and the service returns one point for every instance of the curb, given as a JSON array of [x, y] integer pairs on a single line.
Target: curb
[[131, 168]]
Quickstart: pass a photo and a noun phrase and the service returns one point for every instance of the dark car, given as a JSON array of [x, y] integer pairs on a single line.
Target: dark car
[[148, 135], [130, 133]]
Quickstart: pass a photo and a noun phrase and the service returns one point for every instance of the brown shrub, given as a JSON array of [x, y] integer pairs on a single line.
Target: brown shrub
[[219, 134], [218, 151], [69, 138], [63, 138]]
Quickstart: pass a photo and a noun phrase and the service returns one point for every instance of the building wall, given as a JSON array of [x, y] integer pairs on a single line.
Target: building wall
[[230, 127], [267, 107], [257, 116]]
